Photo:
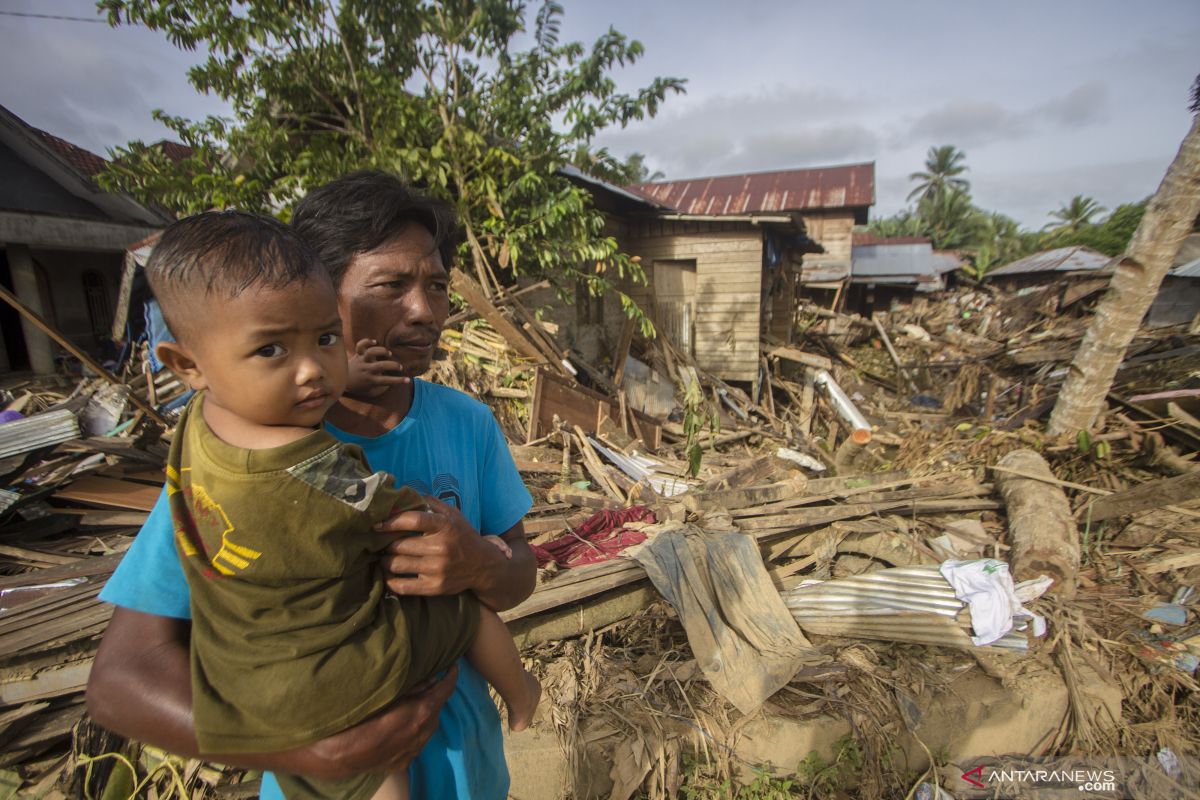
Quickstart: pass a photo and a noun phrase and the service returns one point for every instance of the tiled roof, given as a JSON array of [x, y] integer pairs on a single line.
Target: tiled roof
[[82, 161], [173, 150]]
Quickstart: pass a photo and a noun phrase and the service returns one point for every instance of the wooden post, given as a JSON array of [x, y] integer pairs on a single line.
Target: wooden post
[[887, 342], [87, 360], [622, 351]]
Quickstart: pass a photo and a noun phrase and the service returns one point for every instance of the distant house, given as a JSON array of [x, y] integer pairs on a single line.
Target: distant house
[[63, 238], [1051, 265], [1178, 300], [723, 256], [889, 271]]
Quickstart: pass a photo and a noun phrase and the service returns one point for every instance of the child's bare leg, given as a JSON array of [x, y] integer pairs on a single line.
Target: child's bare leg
[[495, 655], [395, 787]]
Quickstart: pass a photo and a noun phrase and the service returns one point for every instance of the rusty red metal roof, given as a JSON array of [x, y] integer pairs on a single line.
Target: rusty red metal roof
[[848, 186]]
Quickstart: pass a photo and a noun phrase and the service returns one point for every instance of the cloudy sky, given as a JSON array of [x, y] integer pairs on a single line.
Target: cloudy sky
[[1048, 98]]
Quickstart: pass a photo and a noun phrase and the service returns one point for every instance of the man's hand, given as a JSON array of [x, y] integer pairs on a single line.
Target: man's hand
[[386, 742], [372, 370], [140, 687], [448, 556]]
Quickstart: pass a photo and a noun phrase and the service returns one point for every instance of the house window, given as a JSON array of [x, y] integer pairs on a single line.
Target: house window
[[98, 304], [675, 301]]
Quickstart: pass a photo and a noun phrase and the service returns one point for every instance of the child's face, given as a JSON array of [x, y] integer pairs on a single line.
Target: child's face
[[273, 356]]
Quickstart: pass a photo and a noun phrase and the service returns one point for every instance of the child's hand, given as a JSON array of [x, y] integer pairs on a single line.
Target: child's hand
[[372, 370], [500, 544]]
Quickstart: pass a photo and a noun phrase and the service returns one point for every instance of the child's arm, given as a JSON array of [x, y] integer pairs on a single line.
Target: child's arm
[[140, 687], [372, 370]]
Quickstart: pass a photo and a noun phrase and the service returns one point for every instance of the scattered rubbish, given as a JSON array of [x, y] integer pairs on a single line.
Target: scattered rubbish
[[831, 493], [803, 459], [986, 586], [1167, 613]]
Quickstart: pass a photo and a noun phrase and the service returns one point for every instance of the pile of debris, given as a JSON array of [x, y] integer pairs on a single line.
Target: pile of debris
[[875, 515]]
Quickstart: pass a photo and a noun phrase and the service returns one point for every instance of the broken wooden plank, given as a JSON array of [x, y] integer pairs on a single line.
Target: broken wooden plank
[[1155, 494], [111, 493], [764, 528], [66, 679], [799, 357], [473, 293]]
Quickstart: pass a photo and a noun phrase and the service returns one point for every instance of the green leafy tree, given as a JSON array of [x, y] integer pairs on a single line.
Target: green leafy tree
[[437, 92], [903, 223], [943, 165], [602, 164], [951, 220]]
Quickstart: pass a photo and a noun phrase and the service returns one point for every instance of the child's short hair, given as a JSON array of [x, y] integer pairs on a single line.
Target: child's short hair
[[223, 253]]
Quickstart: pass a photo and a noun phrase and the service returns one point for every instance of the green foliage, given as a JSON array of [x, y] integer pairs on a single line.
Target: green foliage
[[1111, 236], [696, 416], [437, 92], [1074, 215], [814, 778], [943, 165], [602, 164], [947, 216]]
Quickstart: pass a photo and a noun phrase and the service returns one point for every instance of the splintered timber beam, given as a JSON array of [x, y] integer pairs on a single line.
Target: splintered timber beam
[[473, 293]]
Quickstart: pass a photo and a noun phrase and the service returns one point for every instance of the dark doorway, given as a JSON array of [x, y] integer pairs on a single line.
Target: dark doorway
[[10, 323]]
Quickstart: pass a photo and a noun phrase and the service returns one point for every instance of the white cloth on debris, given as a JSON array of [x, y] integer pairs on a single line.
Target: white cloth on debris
[[986, 586]]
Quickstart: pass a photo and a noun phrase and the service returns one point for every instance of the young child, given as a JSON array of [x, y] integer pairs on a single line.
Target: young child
[[294, 635]]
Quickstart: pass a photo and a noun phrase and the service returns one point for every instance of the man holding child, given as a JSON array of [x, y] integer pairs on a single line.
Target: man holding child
[[386, 249]]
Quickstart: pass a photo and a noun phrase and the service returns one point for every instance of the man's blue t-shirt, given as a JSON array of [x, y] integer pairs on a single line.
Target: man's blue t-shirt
[[448, 446]]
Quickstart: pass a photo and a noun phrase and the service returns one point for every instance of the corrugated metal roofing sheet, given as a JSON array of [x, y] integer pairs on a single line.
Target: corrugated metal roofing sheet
[[1064, 259], [1188, 270], [944, 262], [786, 190], [910, 258]]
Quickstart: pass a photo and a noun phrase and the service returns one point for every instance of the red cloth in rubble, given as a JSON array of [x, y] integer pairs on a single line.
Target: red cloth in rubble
[[599, 538]]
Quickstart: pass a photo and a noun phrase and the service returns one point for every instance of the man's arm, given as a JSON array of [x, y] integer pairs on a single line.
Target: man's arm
[[451, 557], [140, 687]]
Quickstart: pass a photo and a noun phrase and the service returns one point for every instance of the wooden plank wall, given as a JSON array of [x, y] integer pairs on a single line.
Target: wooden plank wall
[[832, 230], [728, 260]]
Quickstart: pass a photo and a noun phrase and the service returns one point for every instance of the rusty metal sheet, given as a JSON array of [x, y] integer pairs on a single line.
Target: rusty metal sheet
[[786, 190]]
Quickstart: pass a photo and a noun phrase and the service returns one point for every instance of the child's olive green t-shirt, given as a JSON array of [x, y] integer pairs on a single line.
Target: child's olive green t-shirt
[[294, 634]]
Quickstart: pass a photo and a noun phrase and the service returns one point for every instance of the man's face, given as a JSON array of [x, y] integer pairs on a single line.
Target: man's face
[[398, 295], [273, 356]]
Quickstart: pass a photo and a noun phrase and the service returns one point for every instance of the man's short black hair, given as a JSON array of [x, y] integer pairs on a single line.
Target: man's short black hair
[[364, 210], [223, 253]]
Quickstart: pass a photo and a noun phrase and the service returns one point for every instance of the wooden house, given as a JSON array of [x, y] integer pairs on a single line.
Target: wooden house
[[62, 240], [891, 272], [723, 255]]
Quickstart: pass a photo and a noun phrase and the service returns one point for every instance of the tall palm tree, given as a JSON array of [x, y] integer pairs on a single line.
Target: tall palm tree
[[1075, 215], [943, 165], [1168, 220]]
